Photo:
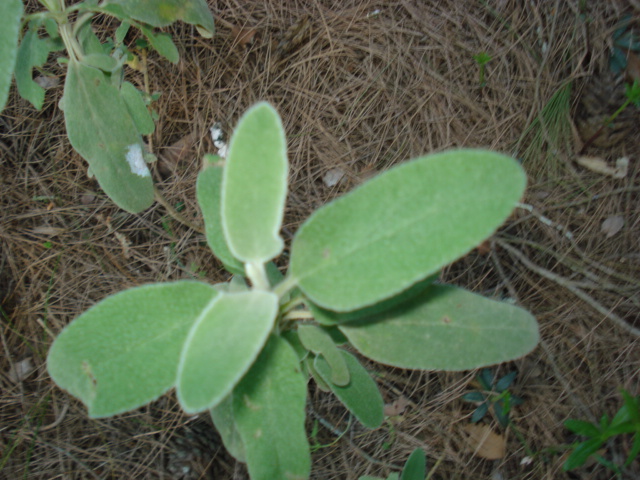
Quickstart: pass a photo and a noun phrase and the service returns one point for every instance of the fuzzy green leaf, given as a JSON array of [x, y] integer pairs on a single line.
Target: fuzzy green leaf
[[221, 346], [33, 52], [102, 131], [361, 396], [160, 13], [447, 328], [416, 466], [163, 44], [224, 420], [320, 342], [10, 14], [137, 108], [209, 191], [269, 410], [403, 226], [124, 351], [102, 61], [254, 186]]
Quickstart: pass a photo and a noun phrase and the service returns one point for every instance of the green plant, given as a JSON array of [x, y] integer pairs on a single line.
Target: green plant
[[625, 41], [362, 272], [414, 469], [482, 59], [105, 115], [493, 393], [625, 421]]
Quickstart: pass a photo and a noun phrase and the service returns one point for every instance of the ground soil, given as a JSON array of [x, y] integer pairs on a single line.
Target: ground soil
[[366, 86]]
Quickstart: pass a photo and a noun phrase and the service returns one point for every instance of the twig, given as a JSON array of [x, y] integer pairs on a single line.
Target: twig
[[174, 213]]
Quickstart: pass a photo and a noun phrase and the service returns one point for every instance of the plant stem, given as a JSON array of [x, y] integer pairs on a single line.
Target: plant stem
[[257, 275], [284, 286], [174, 213]]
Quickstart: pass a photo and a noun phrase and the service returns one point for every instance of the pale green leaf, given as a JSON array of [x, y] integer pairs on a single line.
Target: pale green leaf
[[33, 52], [102, 61], [320, 342], [160, 13], [209, 191], [254, 186], [102, 131], [10, 14], [137, 108], [361, 396], [403, 226], [416, 466], [222, 344], [224, 420], [269, 410], [309, 365], [121, 32], [447, 328], [124, 351], [162, 43], [89, 41]]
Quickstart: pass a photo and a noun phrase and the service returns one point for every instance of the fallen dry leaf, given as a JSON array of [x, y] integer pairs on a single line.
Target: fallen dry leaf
[[612, 225], [124, 243], [47, 231], [172, 155], [397, 407], [599, 165], [333, 177], [484, 442], [21, 370], [633, 67], [243, 36]]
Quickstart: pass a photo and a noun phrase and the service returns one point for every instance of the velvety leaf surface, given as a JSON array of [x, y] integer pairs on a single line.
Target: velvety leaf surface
[[254, 186], [447, 328], [209, 191], [163, 44], [320, 342], [223, 419], [160, 13], [10, 14], [361, 396], [102, 131], [221, 346], [416, 466], [124, 351], [269, 409], [33, 52], [137, 108], [403, 226]]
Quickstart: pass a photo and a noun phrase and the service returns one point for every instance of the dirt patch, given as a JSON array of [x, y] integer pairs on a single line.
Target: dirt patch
[[367, 85]]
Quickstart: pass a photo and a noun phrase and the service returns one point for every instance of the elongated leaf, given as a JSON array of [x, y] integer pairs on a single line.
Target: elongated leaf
[[361, 396], [102, 61], [209, 191], [254, 186], [137, 109], [102, 131], [403, 226], [447, 328], [320, 342], [221, 346], [163, 44], [124, 351], [160, 13], [416, 466], [224, 420], [33, 52], [269, 410], [10, 14]]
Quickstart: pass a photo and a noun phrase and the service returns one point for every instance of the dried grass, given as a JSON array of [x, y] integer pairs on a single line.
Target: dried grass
[[361, 93]]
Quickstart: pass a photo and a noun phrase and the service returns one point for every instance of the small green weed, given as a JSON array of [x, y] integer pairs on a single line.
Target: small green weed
[[414, 469], [482, 59], [494, 394]]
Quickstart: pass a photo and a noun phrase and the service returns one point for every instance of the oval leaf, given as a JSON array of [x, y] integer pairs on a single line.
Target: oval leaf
[[10, 14], [223, 419], [33, 52], [320, 342], [447, 328], [416, 466], [124, 351], [137, 108], [221, 346], [403, 226], [254, 186], [102, 131], [361, 396], [209, 191], [269, 411]]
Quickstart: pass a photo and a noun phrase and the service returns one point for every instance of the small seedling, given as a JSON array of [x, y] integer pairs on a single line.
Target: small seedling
[[626, 421], [482, 59], [362, 272], [105, 115], [494, 393], [414, 469]]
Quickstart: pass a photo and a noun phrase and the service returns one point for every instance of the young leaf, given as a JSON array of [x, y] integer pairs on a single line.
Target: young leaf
[[269, 410], [361, 396], [581, 427], [320, 342], [102, 61], [209, 191], [10, 14], [162, 43], [416, 466], [124, 351], [160, 13], [137, 109], [33, 52], [581, 453], [428, 212], [223, 419], [221, 346], [102, 131], [447, 328], [254, 186]]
